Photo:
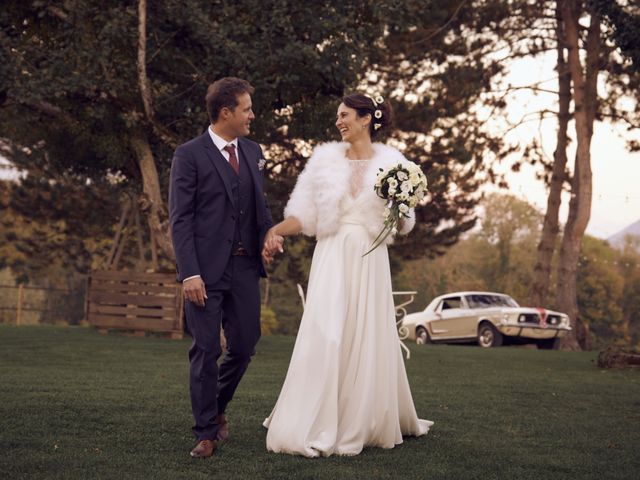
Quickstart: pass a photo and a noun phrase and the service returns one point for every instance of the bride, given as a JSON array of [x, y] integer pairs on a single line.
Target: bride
[[346, 387]]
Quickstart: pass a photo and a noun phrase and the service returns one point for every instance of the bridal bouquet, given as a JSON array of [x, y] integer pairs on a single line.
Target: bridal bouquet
[[402, 186]]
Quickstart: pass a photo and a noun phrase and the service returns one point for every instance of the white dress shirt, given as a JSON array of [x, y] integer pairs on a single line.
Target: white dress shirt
[[220, 143]]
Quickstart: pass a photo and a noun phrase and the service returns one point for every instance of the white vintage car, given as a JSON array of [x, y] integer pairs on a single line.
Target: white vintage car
[[488, 318]]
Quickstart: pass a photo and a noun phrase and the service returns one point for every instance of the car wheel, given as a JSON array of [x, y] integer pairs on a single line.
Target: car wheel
[[422, 337], [488, 336], [548, 344]]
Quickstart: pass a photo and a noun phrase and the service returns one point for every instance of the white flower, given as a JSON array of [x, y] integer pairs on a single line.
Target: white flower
[[376, 126], [402, 175], [413, 202], [406, 187], [392, 182], [379, 99], [378, 114], [403, 208], [392, 190]]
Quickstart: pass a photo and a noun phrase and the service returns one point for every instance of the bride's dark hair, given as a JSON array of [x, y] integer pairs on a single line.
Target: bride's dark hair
[[364, 105]]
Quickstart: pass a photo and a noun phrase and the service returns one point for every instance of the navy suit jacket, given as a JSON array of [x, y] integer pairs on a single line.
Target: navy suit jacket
[[201, 207]]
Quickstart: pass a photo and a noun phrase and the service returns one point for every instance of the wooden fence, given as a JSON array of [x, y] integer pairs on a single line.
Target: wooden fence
[[33, 305], [139, 302]]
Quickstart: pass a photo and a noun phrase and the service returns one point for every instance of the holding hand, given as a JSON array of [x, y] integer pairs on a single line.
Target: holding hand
[[272, 243], [274, 239]]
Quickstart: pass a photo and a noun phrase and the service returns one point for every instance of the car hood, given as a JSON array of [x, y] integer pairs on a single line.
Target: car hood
[[531, 310]]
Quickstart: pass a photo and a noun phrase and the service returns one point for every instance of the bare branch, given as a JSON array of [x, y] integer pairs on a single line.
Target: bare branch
[[440, 29], [47, 108], [58, 13]]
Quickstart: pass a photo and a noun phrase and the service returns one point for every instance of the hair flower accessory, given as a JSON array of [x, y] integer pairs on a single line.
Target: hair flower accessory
[[376, 126], [378, 100], [378, 114]]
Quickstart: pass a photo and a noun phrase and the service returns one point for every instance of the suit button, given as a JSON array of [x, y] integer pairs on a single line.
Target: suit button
[[241, 212]]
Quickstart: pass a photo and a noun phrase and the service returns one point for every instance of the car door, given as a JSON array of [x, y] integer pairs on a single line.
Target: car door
[[449, 316]]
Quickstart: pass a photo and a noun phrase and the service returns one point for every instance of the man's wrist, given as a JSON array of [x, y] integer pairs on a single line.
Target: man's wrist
[[190, 278]]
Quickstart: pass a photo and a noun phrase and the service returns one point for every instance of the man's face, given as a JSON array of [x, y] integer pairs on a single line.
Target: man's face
[[239, 120]]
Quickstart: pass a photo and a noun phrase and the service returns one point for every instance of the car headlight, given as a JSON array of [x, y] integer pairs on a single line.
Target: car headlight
[[522, 318], [505, 319]]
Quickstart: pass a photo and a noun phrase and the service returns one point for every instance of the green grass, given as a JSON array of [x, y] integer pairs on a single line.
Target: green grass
[[75, 404]]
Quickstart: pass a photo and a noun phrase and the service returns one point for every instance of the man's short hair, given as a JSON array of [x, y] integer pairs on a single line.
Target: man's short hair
[[224, 93]]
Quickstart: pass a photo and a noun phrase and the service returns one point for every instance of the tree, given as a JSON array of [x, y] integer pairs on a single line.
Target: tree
[[551, 225], [629, 263], [600, 292], [82, 73], [113, 87], [624, 21], [585, 97], [509, 223], [601, 58], [498, 257], [39, 234]]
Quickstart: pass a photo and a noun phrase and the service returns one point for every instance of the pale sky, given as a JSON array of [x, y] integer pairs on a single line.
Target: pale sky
[[616, 172]]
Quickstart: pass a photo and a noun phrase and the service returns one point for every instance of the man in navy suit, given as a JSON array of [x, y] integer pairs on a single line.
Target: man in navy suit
[[219, 219]]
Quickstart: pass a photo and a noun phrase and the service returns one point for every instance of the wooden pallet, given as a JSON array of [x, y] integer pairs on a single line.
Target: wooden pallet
[[135, 302]]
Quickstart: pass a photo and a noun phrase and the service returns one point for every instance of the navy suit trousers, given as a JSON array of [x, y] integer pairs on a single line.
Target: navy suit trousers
[[233, 302]]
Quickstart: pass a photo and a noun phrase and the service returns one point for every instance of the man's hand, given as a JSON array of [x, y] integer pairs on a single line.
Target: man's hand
[[267, 257], [272, 243], [194, 291]]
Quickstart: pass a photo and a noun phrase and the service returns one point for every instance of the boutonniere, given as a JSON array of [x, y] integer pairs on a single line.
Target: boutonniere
[[261, 164]]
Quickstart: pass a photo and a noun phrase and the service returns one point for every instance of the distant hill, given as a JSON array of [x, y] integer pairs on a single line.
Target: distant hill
[[617, 240]]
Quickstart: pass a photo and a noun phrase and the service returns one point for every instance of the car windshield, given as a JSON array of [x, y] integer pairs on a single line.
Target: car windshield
[[487, 301]]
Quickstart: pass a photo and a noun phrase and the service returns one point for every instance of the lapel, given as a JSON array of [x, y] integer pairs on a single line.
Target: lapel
[[219, 162], [252, 166]]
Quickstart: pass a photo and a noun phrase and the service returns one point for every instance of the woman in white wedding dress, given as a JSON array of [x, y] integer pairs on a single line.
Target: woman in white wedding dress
[[346, 387]]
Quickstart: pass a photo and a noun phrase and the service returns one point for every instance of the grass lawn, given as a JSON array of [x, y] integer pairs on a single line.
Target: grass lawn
[[75, 404]]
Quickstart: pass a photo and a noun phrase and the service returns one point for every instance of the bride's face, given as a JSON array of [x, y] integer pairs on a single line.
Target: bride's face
[[350, 125]]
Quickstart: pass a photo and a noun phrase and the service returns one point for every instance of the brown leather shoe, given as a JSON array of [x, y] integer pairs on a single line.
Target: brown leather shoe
[[204, 449], [223, 431]]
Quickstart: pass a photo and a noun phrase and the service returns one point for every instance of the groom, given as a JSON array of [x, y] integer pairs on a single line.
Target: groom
[[219, 219]]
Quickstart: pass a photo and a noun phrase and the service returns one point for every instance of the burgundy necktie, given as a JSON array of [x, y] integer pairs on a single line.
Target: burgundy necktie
[[233, 160]]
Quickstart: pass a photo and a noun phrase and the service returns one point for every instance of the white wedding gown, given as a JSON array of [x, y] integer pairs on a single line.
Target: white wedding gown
[[346, 387]]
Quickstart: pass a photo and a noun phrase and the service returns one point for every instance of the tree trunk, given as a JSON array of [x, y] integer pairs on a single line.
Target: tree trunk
[[143, 82], [141, 260], [152, 202], [153, 248], [551, 228], [585, 96]]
